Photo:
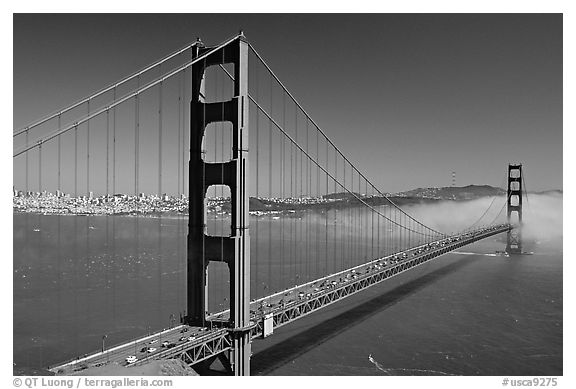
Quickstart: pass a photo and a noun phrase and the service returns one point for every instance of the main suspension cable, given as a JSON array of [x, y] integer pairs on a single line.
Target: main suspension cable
[[286, 135], [103, 90], [328, 140], [128, 96]]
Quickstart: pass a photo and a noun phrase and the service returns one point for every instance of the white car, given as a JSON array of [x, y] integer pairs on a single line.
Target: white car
[[151, 349], [131, 359], [153, 341]]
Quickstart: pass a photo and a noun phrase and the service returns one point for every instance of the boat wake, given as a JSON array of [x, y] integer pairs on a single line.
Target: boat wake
[[402, 371]]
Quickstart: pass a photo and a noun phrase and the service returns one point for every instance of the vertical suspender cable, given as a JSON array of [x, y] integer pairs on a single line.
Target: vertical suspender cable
[[27, 189], [404, 244], [179, 271], [402, 232], [114, 151], [136, 139], [178, 145], [358, 227], [59, 276], [326, 213], [107, 154], [303, 256], [307, 214], [59, 155], [160, 252], [360, 221], [216, 192], [282, 218], [291, 220], [184, 148], [308, 195], [349, 229], [223, 92], [76, 161], [300, 260], [203, 186], [378, 219], [352, 223], [88, 150], [335, 257], [344, 230], [40, 168], [360, 218], [371, 229], [160, 100], [87, 266], [270, 162], [291, 247], [316, 242], [136, 189], [257, 233]]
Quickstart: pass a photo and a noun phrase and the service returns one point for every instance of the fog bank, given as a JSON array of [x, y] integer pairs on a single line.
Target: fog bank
[[542, 215]]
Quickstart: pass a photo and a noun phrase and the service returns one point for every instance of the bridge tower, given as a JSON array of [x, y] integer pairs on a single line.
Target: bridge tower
[[514, 209], [234, 250]]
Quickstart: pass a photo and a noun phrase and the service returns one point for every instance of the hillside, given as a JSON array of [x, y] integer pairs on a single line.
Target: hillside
[[469, 192]]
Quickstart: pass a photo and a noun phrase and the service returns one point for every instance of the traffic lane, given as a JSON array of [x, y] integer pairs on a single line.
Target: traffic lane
[[182, 335], [134, 348]]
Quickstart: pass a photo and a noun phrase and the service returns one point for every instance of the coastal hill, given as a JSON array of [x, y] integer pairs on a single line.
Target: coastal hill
[[470, 192], [348, 199], [553, 192]]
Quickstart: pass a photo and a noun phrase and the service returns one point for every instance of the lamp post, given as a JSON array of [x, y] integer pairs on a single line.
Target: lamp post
[[103, 339]]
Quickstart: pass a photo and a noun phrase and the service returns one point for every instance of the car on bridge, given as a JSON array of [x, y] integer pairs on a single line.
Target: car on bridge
[[131, 359]]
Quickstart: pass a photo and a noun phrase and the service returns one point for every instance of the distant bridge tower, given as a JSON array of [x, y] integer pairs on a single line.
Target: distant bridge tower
[[514, 241], [234, 250]]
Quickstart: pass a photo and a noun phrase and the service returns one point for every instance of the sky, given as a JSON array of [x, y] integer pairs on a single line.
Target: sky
[[408, 98]]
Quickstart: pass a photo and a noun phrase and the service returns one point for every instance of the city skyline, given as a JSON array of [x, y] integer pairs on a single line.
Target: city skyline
[[428, 94]]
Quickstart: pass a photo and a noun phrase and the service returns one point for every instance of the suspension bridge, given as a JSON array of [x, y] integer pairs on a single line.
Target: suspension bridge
[[280, 223]]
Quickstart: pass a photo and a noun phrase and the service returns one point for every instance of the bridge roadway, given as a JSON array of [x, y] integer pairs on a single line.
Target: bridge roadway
[[195, 344]]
